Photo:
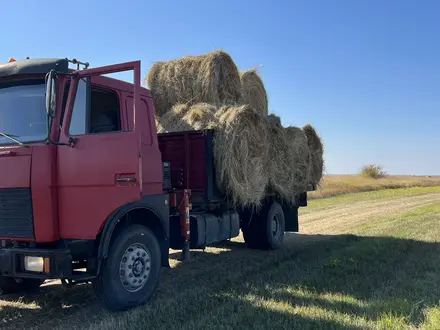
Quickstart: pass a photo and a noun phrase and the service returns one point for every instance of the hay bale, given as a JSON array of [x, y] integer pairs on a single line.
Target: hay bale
[[316, 154], [159, 127], [240, 153], [182, 117], [212, 78], [279, 163], [253, 91], [172, 121], [299, 155], [201, 116]]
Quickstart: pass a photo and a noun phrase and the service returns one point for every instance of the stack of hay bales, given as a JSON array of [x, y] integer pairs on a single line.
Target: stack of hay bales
[[253, 153], [212, 78]]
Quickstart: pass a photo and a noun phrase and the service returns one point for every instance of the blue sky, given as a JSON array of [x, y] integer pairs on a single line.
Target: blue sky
[[366, 74]]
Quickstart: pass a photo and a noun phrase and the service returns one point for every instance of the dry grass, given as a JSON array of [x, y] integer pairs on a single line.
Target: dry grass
[[171, 121], [253, 91], [316, 154], [279, 162], [212, 78], [183, 117], [288, 159], [333, 185], [377, 272], [300, 155], [240, 152], [201, 116]]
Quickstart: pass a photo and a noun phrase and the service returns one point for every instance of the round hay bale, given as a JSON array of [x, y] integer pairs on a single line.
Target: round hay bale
[[279, 163], [212, 78], [316, 154], [160, 103], [187, 118], [159, 127], [201, 116], [299, 155], [240, 153], [172, 121], [253, 91]]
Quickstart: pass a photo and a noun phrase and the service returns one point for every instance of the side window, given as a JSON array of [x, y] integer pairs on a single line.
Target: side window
[[104, 113]]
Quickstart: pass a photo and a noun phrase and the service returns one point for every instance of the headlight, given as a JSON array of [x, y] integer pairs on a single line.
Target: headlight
[[34, 264]]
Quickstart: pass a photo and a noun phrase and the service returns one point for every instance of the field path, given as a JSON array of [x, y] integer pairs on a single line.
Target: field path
[[211, 270], [341, 218]]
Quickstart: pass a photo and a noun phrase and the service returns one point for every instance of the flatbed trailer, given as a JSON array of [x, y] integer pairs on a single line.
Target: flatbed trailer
[[189, 166]]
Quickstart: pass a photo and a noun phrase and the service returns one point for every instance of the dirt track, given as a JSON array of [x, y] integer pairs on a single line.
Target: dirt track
[[341, 218], [52, 306]]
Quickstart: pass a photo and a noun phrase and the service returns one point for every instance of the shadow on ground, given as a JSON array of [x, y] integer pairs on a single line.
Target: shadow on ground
[[363, 277]]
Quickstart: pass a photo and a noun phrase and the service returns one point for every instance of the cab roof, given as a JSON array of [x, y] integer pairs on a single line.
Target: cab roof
[[34, 66]]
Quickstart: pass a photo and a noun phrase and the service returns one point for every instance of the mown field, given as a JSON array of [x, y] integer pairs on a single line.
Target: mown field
[[361, 261], [333, 185]]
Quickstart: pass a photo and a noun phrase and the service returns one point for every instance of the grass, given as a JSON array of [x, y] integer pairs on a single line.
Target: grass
[[367, 196], [334, 185], [381, 272], [383, 278]]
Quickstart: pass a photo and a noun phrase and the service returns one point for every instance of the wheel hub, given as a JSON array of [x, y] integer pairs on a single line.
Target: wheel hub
[[135, 267], [275, 226]]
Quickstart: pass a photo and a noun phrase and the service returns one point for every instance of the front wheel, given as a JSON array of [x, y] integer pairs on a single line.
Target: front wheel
[[15, 285], [129, 276]]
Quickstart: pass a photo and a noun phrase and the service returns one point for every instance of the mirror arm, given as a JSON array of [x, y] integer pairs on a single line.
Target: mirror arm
[[72, 141]]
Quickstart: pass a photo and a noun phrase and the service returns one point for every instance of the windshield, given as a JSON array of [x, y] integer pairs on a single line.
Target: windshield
[[23, 112]]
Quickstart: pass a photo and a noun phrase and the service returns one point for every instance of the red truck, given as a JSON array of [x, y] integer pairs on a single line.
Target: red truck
[[89, 192]]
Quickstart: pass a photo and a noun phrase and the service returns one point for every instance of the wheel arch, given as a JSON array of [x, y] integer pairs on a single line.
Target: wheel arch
[[151, 212]]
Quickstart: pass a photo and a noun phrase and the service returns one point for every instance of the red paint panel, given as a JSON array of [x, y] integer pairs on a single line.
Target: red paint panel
[[15, 168], [88, 190], [44, 193], [187, 153], [152, 170], [197, 169]]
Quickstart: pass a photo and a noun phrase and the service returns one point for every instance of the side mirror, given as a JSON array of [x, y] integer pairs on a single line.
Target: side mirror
[[50, 93]]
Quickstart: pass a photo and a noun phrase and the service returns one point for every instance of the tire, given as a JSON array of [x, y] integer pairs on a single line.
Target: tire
[[12, 285], [134, 256], [266, 230], [253, 234]]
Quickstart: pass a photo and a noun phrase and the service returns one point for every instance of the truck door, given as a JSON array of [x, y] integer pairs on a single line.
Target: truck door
[[98, 161]]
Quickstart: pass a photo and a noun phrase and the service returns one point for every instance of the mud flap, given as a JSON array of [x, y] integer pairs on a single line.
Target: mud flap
[[291, 218]]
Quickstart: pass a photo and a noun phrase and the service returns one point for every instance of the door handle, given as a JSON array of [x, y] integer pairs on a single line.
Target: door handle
[[7, 153], [126, 180]]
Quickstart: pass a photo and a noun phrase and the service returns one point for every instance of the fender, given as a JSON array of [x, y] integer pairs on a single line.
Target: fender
[[157, 204]]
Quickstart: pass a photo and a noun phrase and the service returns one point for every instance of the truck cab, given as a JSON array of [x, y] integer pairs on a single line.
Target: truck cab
[[76, 167]]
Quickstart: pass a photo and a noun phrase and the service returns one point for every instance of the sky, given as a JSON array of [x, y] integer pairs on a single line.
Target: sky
[[364, 73]]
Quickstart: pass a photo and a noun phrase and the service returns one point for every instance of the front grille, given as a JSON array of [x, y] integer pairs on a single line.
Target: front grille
[[16, 218]]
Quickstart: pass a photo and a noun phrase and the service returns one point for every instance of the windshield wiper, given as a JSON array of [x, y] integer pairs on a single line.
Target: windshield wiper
[[12, 137]]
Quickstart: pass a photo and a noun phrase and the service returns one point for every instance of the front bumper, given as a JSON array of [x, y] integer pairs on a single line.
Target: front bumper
[[59, 263]]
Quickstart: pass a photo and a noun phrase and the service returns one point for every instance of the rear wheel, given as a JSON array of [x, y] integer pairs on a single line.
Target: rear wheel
[[266, 230], [130, 274], [15, 285]]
